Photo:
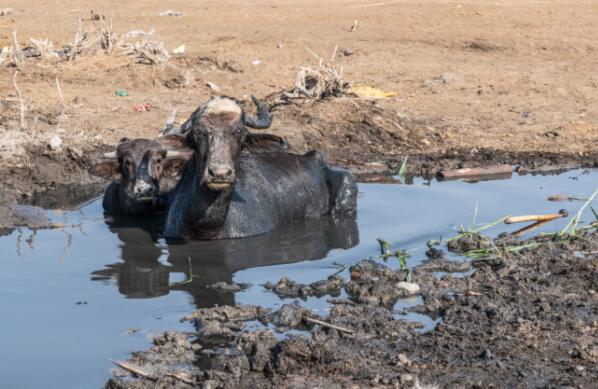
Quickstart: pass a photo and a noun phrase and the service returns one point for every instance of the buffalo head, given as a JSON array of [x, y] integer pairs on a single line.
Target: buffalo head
[[145, 168], [219, 131]]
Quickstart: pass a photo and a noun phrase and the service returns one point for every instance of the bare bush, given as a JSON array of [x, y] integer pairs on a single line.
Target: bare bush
[[81, 43], [146, 52]]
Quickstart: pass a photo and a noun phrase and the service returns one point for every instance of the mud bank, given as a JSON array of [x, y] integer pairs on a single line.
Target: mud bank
[[60, 179], [526, 319]]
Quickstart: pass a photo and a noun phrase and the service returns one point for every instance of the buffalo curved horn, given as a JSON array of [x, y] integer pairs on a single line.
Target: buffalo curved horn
[[263, 120], [110, 155]]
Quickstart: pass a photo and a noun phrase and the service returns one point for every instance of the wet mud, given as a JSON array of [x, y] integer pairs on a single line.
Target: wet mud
[[526, 320]]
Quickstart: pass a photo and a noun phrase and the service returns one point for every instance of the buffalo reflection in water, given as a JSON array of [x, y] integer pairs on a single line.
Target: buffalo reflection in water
[[148, 261]]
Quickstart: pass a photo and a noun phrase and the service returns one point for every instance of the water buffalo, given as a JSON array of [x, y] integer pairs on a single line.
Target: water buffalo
[[228, 193], [145, 172]]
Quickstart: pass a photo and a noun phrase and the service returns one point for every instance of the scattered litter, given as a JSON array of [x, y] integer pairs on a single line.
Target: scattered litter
[[444, 78], [256, 62], [354, 26], [179, 50], [142, 107], [477, 172], [213, 86], [5, 11], [370, 92], [121, 93], [138, 33], [170, 12], [55, 143], [280, 45]]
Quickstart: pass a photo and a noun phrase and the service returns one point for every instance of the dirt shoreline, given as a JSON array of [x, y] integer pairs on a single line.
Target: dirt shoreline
[[524, 320]]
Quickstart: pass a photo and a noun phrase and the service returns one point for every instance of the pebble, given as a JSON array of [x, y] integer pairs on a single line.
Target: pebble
[[409, 287], [55, 142]]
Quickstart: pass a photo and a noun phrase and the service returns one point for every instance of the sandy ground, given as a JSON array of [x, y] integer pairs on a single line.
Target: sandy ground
[[503, 75]]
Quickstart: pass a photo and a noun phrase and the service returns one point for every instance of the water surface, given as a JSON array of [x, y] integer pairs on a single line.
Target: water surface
[[73, 298]]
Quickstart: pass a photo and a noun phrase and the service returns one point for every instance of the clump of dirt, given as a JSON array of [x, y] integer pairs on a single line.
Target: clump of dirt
[[287, 288], [468, 242], [441, 264], [498, 330], [373, 283]]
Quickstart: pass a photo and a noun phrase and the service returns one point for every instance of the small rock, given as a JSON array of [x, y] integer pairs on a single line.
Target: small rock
[[280, 45], [346, 51], [5, 11], [403, 360], [409, 287], [55, 143], [213, 86]]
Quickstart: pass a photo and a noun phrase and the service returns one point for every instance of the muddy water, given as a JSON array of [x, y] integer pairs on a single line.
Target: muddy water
[[72, 299]]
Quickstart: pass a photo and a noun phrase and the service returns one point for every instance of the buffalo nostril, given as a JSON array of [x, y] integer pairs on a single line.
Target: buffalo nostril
[[220, 172]]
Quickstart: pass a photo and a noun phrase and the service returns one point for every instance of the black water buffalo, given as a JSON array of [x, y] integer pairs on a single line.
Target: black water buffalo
[[228, 193], [145, 172]]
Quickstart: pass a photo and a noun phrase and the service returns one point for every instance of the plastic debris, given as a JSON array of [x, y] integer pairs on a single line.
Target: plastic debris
[[371, 92], [121, 93], [5, 11], [170, 12], [256, 62], [142, 107], [179, 50]]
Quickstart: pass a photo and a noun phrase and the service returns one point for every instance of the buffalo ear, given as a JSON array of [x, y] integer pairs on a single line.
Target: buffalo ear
[[174, 165], [260, 143], [108, 170], [173, 141]]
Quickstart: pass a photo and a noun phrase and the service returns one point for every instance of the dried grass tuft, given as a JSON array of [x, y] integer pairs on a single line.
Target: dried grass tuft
[[108, 39], [81, 43], [146, 52], [43, 47], [325, 80]]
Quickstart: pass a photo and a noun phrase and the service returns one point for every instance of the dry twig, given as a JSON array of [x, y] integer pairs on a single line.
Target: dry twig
[[328, 325], [22, 105]]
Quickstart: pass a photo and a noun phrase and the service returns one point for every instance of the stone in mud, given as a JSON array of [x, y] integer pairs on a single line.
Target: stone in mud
[[289, 315], [409, 287]]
